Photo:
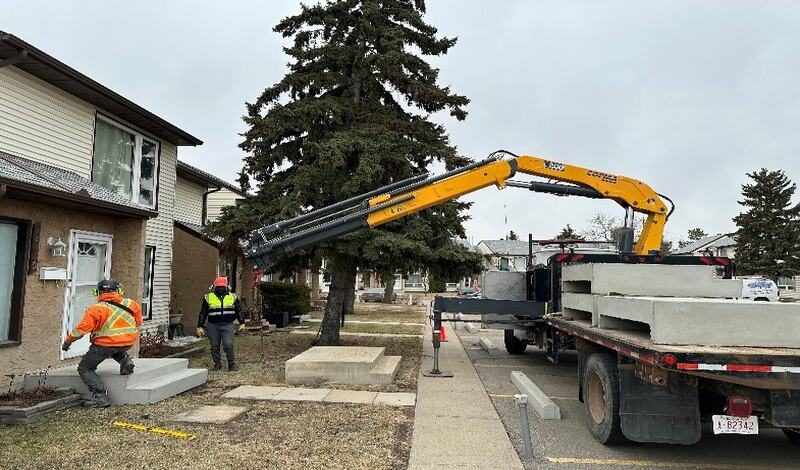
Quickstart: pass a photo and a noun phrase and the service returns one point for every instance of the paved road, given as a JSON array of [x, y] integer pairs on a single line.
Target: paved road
[[567, 444]]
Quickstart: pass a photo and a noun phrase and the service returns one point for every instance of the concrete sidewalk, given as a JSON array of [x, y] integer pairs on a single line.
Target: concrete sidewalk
[[455, 424]]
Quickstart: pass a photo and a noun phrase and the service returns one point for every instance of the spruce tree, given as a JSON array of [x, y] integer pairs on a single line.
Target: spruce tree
[[352, 115], [768, 235], [567, 233]]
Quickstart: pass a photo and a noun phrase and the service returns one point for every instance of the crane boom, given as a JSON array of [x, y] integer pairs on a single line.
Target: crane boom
[[416, 194]]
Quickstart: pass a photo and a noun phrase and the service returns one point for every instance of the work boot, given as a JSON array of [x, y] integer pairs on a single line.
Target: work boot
[[127, 368], [98, 400], [232, 367], [217, 366]]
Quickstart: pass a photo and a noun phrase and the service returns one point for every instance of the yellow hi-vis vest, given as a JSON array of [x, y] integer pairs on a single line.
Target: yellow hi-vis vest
[[217, 307]]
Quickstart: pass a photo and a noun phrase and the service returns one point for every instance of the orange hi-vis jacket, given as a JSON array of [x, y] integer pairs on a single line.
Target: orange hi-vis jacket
[[108, 324]]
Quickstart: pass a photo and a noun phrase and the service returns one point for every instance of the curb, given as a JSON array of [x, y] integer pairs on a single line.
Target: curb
[[543, 405]]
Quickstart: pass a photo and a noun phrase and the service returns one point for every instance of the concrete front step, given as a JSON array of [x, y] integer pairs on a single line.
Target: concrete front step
[[342, 364], [152, 380]]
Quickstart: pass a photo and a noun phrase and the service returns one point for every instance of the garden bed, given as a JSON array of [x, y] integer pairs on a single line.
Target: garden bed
[[164, 350], [28, 406]]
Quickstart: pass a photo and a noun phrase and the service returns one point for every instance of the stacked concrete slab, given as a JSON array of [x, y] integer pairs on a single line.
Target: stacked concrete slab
[[342, 364], [677, 304], [153, 380]]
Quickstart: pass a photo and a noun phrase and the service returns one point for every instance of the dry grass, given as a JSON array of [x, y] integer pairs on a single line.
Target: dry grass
[[406, 329], [374, 311], [271, 435]]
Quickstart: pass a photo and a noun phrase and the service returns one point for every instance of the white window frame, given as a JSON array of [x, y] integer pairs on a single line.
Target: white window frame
[[152, 269], [139, 139]]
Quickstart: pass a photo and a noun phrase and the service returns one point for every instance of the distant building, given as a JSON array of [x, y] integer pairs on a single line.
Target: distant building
[[504, 255], [712, 245]]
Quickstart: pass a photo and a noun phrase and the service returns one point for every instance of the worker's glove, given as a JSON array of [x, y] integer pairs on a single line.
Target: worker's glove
[[241, 327], [200, 332], [65, 346]]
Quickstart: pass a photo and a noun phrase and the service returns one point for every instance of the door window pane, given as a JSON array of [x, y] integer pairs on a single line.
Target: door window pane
[[8, 256], [147, 178], [113, 158]]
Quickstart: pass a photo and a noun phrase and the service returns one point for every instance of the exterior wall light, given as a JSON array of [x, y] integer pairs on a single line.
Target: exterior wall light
[[57, 247]]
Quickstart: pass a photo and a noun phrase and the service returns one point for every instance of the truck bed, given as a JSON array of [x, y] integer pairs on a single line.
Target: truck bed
[[752, 366]]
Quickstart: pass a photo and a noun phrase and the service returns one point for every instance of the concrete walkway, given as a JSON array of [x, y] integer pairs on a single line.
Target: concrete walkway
[[456, 425], [346, 333], [253, 392]]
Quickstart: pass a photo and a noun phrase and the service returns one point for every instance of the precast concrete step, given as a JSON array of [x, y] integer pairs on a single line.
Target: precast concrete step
[[150, 373], [161, 388], [384, 370], [656, 280], [337, 364]]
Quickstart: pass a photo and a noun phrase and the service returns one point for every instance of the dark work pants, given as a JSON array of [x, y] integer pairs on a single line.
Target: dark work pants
[[221, 333], [97, 354]]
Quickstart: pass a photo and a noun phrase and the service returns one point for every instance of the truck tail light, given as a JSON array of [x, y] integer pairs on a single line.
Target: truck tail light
[[739, 405], [669, 360]]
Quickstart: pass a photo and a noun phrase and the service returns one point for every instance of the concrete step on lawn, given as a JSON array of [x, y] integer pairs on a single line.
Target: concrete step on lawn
[[152, 380], [342, 364]]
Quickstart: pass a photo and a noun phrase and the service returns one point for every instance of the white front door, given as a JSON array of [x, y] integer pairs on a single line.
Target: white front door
[[89, 262]]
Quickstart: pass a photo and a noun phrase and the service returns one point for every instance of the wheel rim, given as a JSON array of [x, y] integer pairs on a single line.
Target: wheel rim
[[596, 398]]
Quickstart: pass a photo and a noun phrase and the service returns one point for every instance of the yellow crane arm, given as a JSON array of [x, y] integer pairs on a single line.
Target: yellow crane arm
[[626, 191], [409, 196]]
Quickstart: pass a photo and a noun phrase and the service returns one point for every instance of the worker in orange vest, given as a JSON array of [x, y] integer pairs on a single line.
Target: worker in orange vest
[[114, 326]]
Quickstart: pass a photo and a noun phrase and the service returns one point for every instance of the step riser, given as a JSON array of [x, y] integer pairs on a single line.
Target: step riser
[[139, 396]]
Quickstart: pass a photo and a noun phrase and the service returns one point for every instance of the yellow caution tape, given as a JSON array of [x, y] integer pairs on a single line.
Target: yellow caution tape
[[154, 430]]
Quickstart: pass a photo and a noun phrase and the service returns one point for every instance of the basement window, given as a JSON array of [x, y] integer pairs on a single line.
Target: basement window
[[125, 162]]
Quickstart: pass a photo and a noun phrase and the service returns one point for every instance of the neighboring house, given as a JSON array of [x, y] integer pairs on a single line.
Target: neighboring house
[[504, 255], [712, 245], [226, 195], [197, 258], [84, 167]]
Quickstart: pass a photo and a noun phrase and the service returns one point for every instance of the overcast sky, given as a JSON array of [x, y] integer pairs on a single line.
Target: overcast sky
[[687, 96]]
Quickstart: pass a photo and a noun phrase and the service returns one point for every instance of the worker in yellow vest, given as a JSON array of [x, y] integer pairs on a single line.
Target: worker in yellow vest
[[220, 309]]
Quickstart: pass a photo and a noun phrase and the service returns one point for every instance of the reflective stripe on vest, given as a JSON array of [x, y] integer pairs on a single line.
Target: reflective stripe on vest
[[217, 307], [108, 328]]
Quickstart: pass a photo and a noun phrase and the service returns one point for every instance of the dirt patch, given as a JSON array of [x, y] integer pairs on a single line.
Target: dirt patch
[[162, 350], [30, 397]]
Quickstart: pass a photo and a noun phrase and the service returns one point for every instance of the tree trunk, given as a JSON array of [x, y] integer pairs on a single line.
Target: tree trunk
[[348, 307], [341, 282], [388, 290]]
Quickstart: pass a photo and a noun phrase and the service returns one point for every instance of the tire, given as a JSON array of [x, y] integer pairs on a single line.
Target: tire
[[601, 399], [513, 344], [793, 435]]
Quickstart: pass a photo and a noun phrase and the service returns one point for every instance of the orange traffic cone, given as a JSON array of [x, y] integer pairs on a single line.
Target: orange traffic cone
[[442, 334]]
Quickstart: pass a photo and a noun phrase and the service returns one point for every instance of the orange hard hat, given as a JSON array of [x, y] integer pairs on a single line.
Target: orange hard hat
[[221, 282]]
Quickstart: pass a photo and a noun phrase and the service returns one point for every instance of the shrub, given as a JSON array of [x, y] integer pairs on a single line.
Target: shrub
[[435, 284], [280, 297]]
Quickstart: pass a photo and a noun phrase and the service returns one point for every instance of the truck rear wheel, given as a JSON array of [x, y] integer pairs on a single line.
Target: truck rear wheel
[[793, 435], [601, 399], [513, 344]]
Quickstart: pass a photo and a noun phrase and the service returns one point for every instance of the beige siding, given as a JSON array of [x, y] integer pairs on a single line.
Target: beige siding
[[159, 234], [217, 200], [189, 202], [43, 123]]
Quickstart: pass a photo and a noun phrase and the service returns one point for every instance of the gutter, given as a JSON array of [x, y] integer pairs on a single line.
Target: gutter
[[204, 215], [77, 198]]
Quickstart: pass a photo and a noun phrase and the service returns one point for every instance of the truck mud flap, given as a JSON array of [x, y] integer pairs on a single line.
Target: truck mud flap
[[668, 413], [784, 408]]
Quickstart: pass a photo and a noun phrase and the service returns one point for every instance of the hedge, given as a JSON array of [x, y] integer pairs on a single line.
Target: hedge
[[295, 299]]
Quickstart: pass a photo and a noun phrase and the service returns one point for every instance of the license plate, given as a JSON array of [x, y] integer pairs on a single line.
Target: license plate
[[724, 424]]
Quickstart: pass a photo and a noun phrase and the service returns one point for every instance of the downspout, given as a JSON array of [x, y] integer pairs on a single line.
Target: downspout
[[204, 215]]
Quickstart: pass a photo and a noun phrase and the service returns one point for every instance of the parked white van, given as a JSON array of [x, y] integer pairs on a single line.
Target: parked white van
[[759, 289]]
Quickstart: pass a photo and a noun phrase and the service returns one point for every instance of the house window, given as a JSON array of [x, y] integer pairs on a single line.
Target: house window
[[125, 162], [786, 283], [414, 280], [504, 264], [147, 291], [13, 246]]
